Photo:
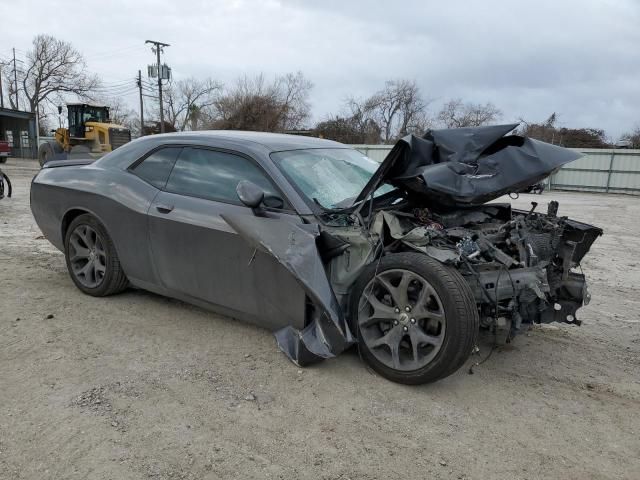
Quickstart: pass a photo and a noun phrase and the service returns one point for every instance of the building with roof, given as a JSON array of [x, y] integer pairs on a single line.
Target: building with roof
[[19, 129]]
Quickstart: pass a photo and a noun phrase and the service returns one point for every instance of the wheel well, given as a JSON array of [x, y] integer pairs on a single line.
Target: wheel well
[[68, 218]]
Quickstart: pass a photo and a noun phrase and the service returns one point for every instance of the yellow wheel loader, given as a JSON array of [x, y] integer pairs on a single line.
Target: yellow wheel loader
[[90, 135]]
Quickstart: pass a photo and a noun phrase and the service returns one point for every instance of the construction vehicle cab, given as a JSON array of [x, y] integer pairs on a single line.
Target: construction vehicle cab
[[90, 135], [80, 114]]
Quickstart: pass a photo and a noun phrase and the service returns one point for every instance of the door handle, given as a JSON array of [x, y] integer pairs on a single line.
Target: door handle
[[164, 208]]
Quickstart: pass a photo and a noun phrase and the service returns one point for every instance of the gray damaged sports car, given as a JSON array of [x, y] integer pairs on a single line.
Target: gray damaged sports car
[[322, 245]]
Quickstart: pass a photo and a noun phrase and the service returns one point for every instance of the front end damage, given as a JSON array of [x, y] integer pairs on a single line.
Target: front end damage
[[522, 267]]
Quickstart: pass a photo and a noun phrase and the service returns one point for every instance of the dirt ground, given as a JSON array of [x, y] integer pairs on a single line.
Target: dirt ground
[[140, 386]]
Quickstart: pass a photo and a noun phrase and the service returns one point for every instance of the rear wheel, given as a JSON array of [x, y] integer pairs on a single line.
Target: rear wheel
[[91, 257], [45, 154], [416, 319]]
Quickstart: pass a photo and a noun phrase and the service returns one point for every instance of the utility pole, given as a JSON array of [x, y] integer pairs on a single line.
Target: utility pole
[[141, 104], [1, 91], [15, 77], [158, 48]]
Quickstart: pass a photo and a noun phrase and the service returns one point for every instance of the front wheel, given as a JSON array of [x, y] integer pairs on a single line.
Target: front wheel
[[45, 154], [91, 257], [416, 319]]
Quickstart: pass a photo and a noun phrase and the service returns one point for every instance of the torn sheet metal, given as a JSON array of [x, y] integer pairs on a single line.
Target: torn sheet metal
[[417, 235], [417, 238], [294, 246], [468, 166]]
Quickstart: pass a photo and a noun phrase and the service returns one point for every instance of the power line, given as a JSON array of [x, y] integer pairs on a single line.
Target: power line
[[124, 86], [115, 92], [113, 95], [116, 88], [115, 80], [10, 52], [119, 83]]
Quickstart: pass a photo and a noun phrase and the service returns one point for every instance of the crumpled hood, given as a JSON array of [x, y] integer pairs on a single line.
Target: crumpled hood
[[467, 166]]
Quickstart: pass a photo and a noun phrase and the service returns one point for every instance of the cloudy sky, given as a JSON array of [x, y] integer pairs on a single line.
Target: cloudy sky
[[579, 58]]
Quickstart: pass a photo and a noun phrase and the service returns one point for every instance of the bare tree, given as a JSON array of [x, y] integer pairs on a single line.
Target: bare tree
[[186, 99], [45, 124], [122, 114], [8, 85], [398, 109], [456, 114], [632, 137], [254, 104], [53, 66], [545, 131], [293, 90], [362, 114], [353, 130]]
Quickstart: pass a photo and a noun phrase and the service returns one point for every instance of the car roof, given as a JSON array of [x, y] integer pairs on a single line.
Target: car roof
[[273, 142]]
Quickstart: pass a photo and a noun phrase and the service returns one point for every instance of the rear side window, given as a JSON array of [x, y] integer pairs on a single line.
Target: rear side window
[[156, 168], [215, 175]]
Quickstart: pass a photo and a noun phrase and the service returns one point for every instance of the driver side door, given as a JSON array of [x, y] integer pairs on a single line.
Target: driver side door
[[197, 256]]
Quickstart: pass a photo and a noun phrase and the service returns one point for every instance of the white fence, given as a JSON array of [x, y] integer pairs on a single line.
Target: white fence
[[599, 170]]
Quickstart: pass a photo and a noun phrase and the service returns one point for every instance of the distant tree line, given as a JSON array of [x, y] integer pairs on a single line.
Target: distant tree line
[[53, 71], [549, 132]]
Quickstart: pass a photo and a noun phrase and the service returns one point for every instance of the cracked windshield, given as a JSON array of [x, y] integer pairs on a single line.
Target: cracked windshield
[[332, 177]]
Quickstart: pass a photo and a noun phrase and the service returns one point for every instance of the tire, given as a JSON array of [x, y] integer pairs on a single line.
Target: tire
[[429, 338], [49, 151], [87, 239], [45, 154], [3, 159]]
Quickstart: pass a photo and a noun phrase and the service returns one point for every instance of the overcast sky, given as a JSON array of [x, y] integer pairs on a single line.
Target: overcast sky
[[579, 58]]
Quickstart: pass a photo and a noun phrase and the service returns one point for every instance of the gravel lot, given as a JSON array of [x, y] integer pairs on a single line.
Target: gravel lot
[[140, 386]]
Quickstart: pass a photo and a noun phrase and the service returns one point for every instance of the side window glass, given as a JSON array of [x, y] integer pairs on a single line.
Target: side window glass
[[215, 175], [156, 168]]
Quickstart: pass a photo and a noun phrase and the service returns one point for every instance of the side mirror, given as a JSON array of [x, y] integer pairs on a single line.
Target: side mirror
[[273, 201], [251, 195]]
